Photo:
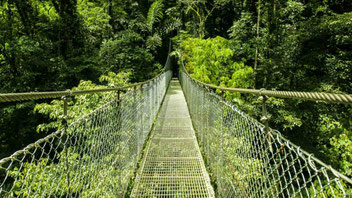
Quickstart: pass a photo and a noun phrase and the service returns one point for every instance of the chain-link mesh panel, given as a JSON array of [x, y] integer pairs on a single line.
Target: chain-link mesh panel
[[95, 156], [246, 161]]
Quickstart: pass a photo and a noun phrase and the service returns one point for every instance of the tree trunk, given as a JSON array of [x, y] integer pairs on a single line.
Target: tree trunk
[[11, 59], [67, 10], [110, 20], [256, 48], [272, 40]]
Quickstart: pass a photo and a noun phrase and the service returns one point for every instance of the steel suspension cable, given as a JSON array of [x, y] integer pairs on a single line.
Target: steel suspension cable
[[11, 97], [313, 96]]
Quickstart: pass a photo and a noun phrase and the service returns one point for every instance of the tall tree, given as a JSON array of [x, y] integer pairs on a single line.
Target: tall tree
[[69, 30]]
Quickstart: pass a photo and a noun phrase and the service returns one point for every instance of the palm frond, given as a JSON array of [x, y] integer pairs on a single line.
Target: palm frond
[[170, 26], [155, 13]]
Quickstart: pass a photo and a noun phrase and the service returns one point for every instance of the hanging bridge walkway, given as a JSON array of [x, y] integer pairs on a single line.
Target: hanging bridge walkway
[[173, 165], [167, 138]]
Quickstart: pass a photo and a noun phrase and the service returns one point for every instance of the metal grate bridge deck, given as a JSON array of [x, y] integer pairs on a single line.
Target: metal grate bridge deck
[[173, 165]]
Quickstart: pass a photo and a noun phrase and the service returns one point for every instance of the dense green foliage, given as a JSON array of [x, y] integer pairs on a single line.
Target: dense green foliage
[[212, 61], [273, 44], [287, 45], [53, 44]]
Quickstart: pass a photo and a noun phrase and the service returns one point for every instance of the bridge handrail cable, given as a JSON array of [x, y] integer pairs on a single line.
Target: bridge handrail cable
[[313, 96], [11, 97]]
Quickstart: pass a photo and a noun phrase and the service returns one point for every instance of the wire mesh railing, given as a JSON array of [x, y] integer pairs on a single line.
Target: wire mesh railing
[[246, 161], [95, 156]]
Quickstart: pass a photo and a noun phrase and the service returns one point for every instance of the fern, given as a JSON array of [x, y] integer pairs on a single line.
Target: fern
[[153, 42], [155, 14], [170, 26]]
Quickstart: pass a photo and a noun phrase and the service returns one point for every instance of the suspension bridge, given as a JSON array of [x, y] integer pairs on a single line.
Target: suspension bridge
[[168, 138]]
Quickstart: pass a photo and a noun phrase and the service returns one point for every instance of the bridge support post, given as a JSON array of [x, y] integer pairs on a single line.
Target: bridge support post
[[156, 98], [119, 126], [150, 105], [221, 113], [65, 118], [207, 127], [118, 115], [141, 128], [136, 121], [265, 118]]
